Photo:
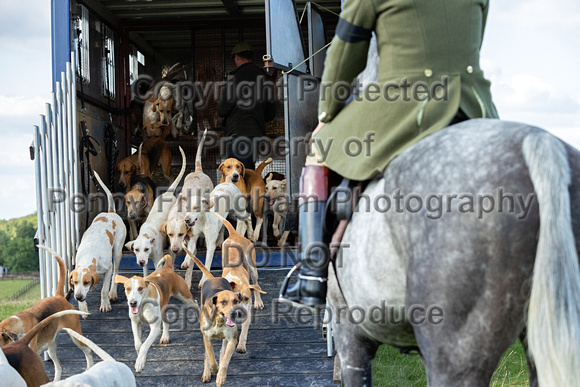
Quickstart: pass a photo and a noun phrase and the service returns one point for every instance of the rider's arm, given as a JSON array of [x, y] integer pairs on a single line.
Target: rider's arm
[[347, 55], [485, 10]]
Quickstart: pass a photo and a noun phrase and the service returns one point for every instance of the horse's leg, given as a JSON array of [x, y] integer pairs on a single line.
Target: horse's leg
[[355, 350], [463, 341]]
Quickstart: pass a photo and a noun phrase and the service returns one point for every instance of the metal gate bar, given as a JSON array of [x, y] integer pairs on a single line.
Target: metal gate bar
[[56, 165]]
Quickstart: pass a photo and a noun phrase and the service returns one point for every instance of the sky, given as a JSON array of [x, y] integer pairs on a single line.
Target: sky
[[531, 53]]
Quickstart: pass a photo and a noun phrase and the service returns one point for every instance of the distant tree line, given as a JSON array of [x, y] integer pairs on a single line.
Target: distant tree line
[[17, 252]]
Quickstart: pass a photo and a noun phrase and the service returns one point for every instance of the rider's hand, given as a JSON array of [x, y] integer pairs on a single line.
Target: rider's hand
[[318, 128]]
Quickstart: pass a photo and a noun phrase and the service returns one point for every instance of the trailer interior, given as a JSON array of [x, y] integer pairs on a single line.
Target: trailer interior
[[118, 43]]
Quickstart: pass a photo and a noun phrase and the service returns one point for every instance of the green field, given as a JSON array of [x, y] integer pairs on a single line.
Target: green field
[[391, 369], [9, 287]]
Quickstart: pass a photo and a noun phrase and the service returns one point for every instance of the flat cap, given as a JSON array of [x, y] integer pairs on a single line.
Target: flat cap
[[242, 47]]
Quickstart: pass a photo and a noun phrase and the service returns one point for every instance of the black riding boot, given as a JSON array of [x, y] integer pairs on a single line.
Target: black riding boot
[[310, 288]]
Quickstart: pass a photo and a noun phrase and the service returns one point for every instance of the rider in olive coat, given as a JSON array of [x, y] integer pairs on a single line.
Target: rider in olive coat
[[428, 77], [434, 43]]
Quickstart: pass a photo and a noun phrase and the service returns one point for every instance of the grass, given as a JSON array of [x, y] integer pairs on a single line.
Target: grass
[[9, 287], [391, 369]]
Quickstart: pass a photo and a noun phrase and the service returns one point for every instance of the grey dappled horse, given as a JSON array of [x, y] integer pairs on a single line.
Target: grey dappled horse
[[495, 274]]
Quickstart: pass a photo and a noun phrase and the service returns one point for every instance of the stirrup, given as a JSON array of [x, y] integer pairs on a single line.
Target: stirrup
[[295, 296]]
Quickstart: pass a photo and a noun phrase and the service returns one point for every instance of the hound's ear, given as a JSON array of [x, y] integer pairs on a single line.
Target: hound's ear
[[96, 278], [70, 280], [129, 245], [152, 240], [257, 288], [172, 105], [206, 204], [214, 300], [242, 298], [133, 169], [243, 170], [119, 279], [163, 228], [232, 285], [155, 106], [269, 178], [9, 336], [283, 184], [221, 167]]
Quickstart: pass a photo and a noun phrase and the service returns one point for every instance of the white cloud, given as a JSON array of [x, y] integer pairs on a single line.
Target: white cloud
[[539, 14], [528, 93], [14, 151], [21, 106], [17, 196]]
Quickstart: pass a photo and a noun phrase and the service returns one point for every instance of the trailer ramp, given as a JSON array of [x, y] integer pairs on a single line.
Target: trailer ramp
[[283, 348]]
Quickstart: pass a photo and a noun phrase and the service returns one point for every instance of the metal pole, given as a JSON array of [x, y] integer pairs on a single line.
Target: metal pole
[[76, 158], [70, 162], [58, 149], [53, 183], [66, 167], [39, 208], [46, 184]]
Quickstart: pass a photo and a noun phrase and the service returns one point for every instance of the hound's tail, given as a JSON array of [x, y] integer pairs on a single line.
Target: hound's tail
[[263, 165], [173, 186], [94, 347], [553, 326], [139, 161], [61, 274], [201, 266], [198, 167], [27, 338], [226, 223], [109, 195], [167, 259]]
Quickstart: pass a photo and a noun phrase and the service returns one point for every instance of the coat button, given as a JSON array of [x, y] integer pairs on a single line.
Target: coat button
[[428, 73], [469, 69]]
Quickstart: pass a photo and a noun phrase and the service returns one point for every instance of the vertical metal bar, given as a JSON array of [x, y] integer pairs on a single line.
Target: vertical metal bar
[[44, 191], [329, 343], [39, 208], [76, 157], [48, 185], [53, 180], [71, 163], [69, 160], [60, 172], [66, 251]]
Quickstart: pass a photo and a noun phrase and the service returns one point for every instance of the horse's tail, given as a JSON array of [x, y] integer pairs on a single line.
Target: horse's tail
[[553, 325]]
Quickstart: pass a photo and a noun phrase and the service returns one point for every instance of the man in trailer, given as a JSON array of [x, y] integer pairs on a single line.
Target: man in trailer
[[428, 78], [246, 104]]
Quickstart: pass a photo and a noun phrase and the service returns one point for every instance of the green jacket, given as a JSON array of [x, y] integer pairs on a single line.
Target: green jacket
[[429, 58]]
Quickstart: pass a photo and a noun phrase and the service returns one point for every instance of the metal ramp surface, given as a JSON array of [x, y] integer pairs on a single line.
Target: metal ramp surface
[[283, 348]]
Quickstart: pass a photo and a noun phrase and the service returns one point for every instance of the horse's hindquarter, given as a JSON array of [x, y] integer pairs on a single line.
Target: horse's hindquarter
[[370, 266], [459, 239]]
